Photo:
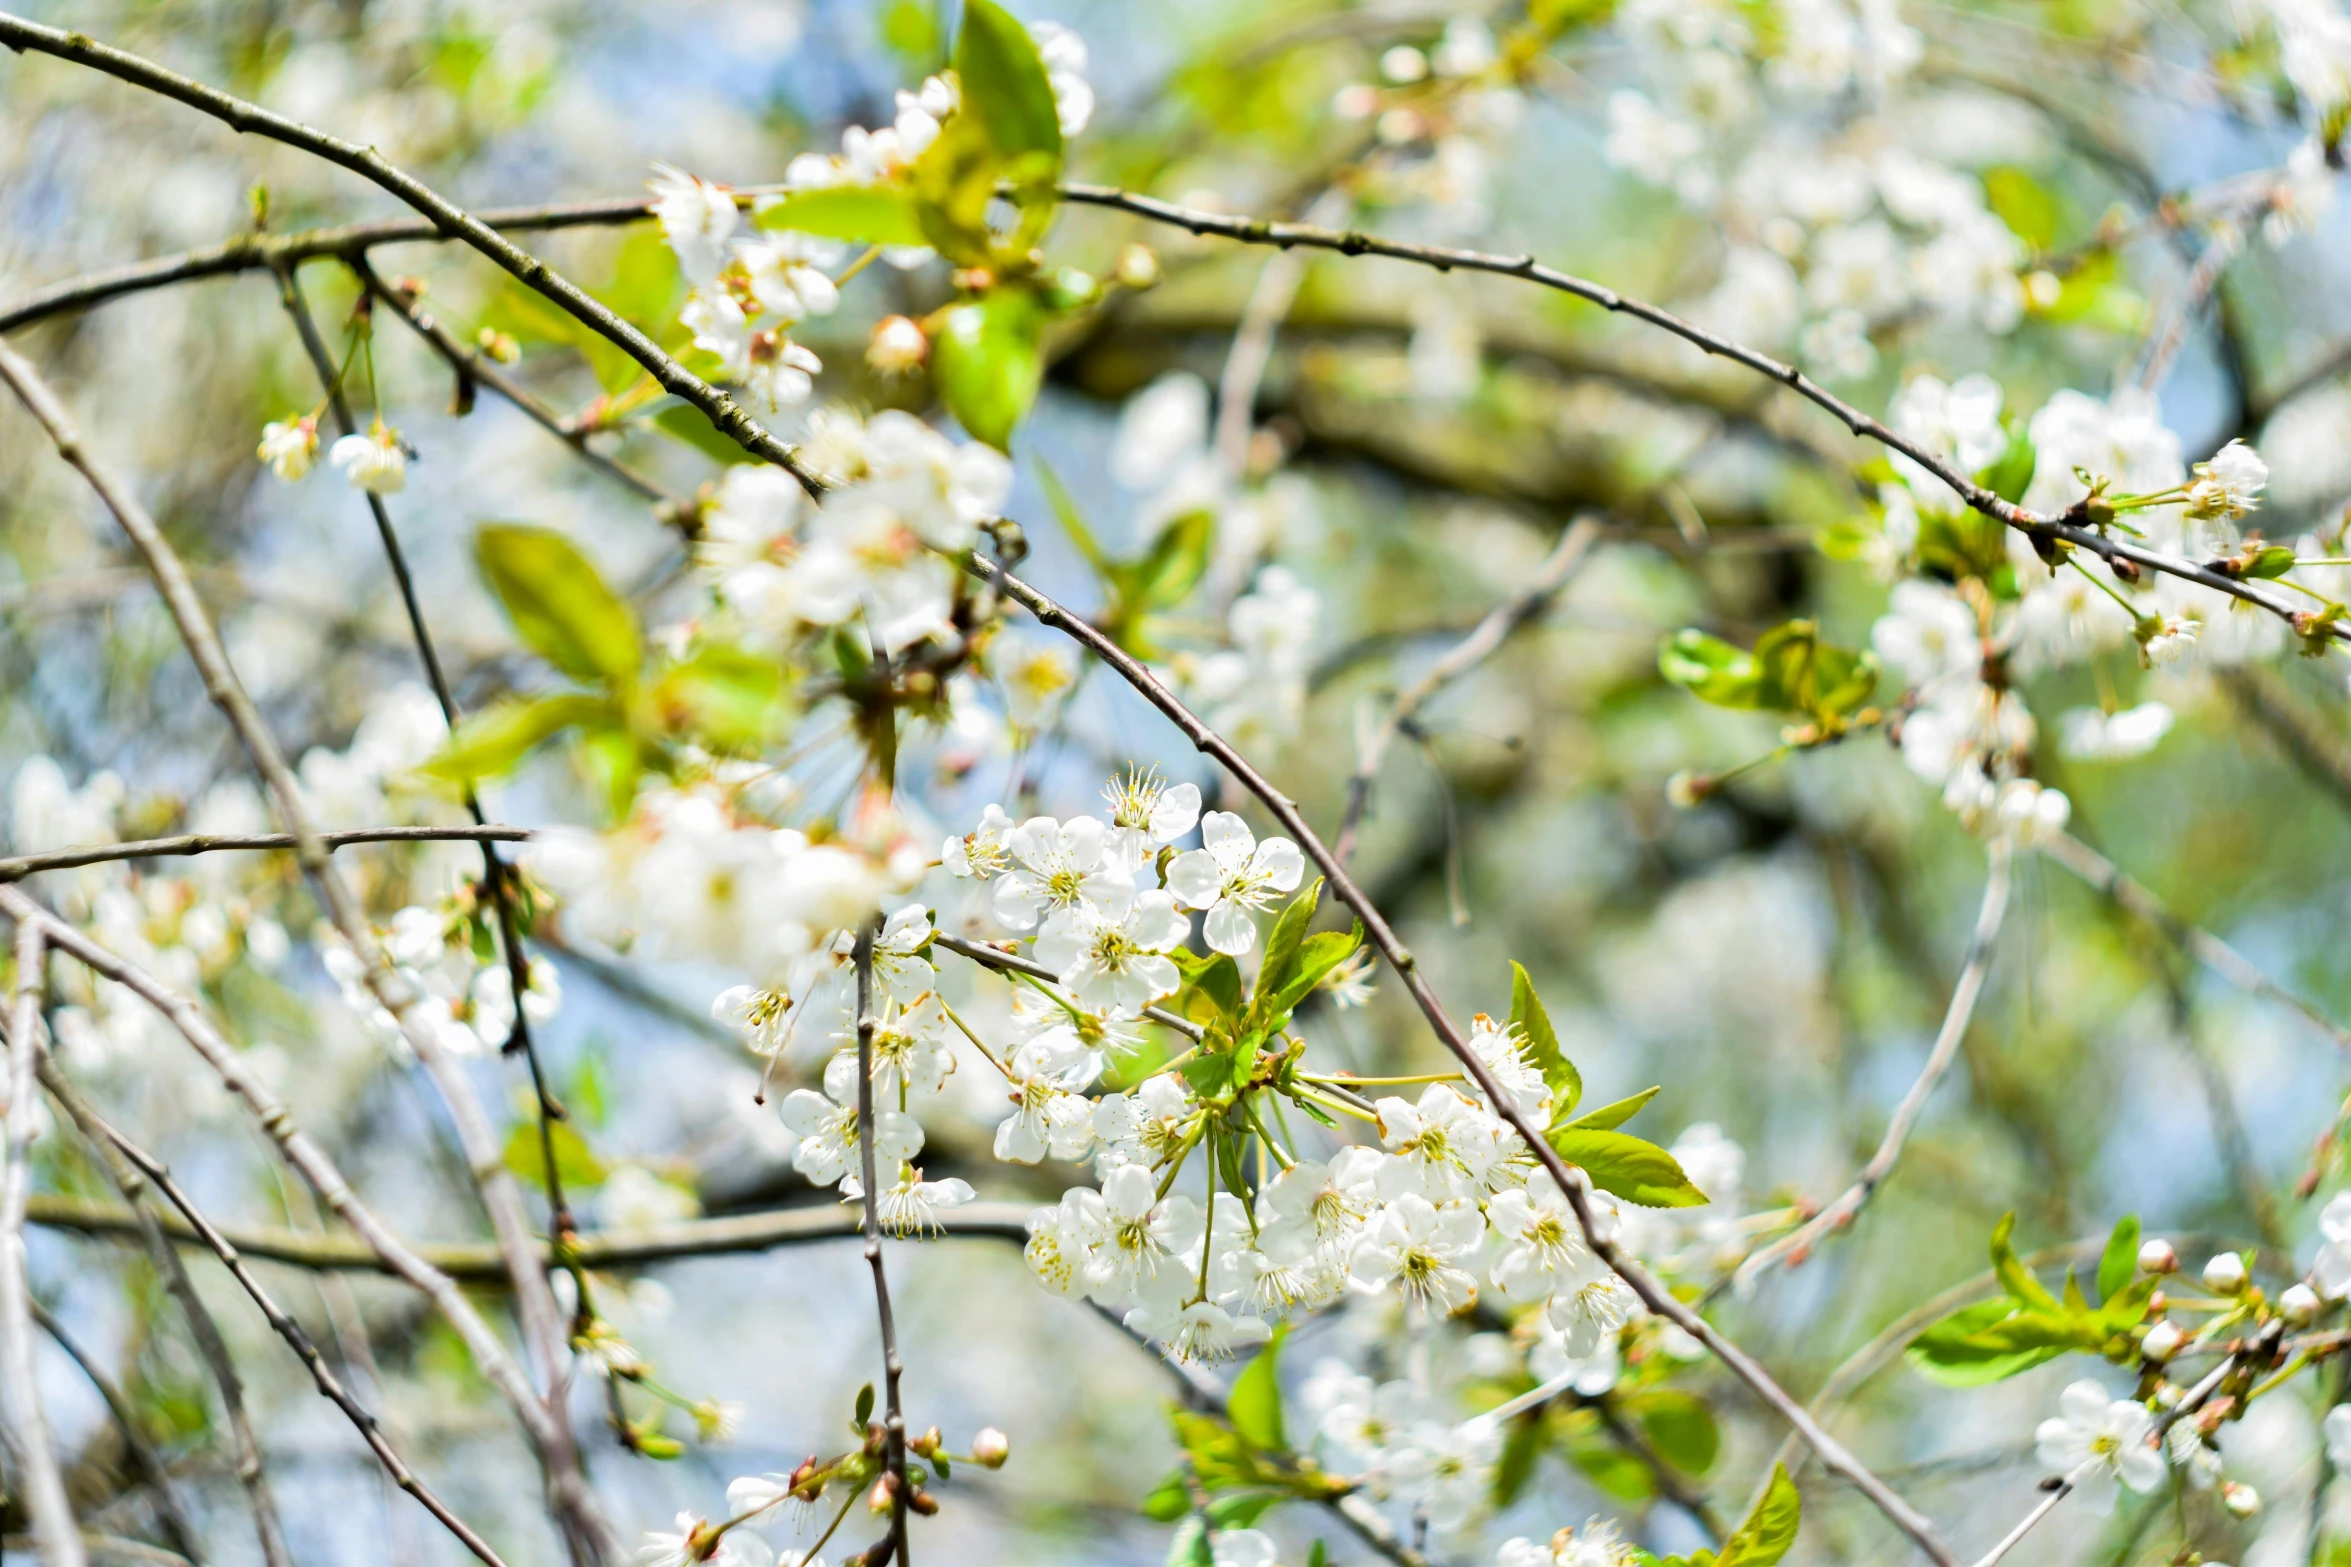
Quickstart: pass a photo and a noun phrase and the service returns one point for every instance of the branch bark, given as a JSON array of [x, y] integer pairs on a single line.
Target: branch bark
[[16, 867]]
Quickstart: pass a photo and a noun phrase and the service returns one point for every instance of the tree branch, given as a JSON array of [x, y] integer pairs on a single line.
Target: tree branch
[[1384, 940], [1847, 1205], [126, 1421], [893, 1412], [38, 1479], [159, 1175], [19, 866]]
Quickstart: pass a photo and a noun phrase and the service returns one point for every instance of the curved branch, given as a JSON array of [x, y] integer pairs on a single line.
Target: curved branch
[[1384, 940], [1848, 1204], [253, 120]]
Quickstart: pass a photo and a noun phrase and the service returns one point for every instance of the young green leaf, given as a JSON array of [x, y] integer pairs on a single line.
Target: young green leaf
[[493, 742], [685, 423], [1173, 565], [559, 603], [1282, 949], [867, 214], [1255, 1404], [1619, 1163], [1072, 520], [1005, 86], [2014, 1276], [1542, 1042], [1680, 1426], [986, 362], [1168, 1500], [724, 697], [2118, 1264], [1711, 669], [1992, 1341], [1611, 1116], [1318, 954], [1769, 1530]]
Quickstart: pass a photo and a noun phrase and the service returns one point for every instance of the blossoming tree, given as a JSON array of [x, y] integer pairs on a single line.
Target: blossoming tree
[[854, 742]]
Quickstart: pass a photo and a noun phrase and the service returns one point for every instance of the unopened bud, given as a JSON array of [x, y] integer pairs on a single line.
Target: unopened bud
[[2225, 1274], [1686, 789], [2157, 1256], [899, 346], [2162, 1342], [2240, 1499], [924, 1503], [990, 1448], [800, 1477], [1137, 267], [498, 345], [2299, 1305], [924, 1444], [883, 1495]]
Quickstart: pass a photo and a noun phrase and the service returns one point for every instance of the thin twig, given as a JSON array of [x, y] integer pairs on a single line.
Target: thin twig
[[38, 1479], [1841, 1211], [1489, 634], [126, 1421], [251, 119], [15, 867], [2041, 1510], [1384, 940], [159, 1175], [1014, 963], [138, 1217], [585, 1527], [893, 1413], [479, 1264]]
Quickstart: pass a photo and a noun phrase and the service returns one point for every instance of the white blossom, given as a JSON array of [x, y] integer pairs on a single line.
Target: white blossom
[[2096, 1439], [1232, 876]]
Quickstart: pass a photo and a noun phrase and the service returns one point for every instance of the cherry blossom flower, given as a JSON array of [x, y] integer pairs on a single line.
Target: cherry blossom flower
[[1440, 1147], [2229, 486], [1061, 866], [826, 1125], [1446, 1470], [1232, 876], [1199, 1331], [1421, 1248], [376, 462], [1046, 1119], [1503, 1049], [1541, 1241], [1116, 964], [983, 853], [696, 218], [911, 1205], [2097, 1439], [289, 446], [1589, 1303], [1147, 1127], [2087, 735], [1146, 815], [2331, 1271], [1062, 1239], [1143, 1236], [1243, 1548]]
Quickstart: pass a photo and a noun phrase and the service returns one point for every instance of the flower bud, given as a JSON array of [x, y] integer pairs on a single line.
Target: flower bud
[[2299, 1305], [1685, 789], [2225, 1274], [2240, 1499], [924, 1503], [899, 346], [990, 1448], [924, 1444], [2157, 1256], [1137, 267], [2162, 1342], [883, 1495]]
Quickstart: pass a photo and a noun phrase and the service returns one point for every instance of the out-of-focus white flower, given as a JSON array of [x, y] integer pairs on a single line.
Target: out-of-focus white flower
[[2170, 638], [2229, 486], [2087, 735], [376, 462], [1147, 815], [696, 218], [2337, 1429], [1064, 55], [1421, 1248], [1929, 636], [289, 446]]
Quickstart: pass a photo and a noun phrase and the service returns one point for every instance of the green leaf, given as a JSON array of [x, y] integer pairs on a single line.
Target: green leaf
[[1611, 1116], [2014, 1276], [575, 1161], [1255, 1404], [1542, 1043], [1639, 1172], [1168, 1500], [1317, 956], [1218, 983], [986, 361], [559, 603], [1803, 674], [2027, 206], [1317, 1554], [1680, 1426], [723, 696], [1769, 1530], [1282, 948], [493, 742], [1521, 1446], [689, 424], [1189, 1547], [2273, 561], [864, 1414], [1242, 1511], [1993, 1340], [1005, 86], [1173, 564], [1711, 669], [2012, 471], [1613, 1470], [867, 214]]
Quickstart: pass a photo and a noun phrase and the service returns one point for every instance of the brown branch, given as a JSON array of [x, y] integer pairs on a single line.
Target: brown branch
[[159, 1175], [1384, 940], [38, 1479], [126, 1422], [138, 1218], [1842, 1210], [253, 120], [18, 866], [1565, 559]]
